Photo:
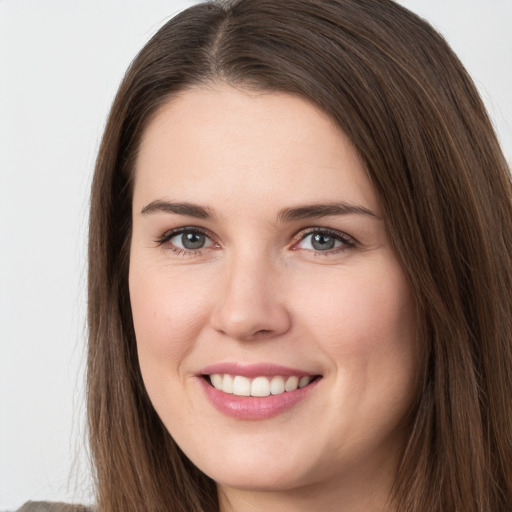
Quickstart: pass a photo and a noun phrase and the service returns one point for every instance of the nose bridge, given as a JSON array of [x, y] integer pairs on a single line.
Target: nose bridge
[[250, 302]]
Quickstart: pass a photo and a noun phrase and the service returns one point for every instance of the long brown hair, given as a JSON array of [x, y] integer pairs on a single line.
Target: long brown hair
[[396, 89]]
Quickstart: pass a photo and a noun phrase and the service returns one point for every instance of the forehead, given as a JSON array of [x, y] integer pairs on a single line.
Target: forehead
[[223, 143]]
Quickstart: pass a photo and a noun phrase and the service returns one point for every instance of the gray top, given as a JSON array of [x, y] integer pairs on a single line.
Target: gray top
[[46, 506]]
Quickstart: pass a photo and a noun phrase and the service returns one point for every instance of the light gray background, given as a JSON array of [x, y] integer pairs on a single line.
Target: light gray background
[[60, 65]]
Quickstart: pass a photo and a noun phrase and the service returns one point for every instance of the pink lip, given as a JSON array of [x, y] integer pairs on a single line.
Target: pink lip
[[249, 407], [253, 370]]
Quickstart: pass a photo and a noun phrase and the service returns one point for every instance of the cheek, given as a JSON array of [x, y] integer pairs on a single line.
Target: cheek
[[365, 324], [364, 320], [168, 314]]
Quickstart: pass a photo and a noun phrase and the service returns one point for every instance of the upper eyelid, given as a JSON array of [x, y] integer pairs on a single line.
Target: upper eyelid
[[300, 235], [167, 235], [297, 237]]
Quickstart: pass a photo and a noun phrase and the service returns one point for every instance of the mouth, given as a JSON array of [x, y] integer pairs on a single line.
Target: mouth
[[256, 391], [258, 386]]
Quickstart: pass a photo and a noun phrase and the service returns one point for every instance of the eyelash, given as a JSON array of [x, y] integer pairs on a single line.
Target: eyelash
[[347, 241], [168, 235]]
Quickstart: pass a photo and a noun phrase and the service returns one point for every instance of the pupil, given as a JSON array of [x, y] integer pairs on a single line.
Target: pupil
[[192, 240], [322, 242]]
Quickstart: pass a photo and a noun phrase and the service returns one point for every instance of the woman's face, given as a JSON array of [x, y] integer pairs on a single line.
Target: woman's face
[[260, 266]]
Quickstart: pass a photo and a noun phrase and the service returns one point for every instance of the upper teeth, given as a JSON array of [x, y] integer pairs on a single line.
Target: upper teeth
[[259, 386]]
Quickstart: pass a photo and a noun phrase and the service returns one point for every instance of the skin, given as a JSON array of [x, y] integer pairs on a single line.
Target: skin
[[260, 292]]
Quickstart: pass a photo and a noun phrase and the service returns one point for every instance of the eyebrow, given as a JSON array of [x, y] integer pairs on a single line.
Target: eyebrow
[[188, 209], [312, 211], [315, 211]]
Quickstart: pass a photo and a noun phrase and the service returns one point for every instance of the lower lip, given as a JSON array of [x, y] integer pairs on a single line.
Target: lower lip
[[255, 408]]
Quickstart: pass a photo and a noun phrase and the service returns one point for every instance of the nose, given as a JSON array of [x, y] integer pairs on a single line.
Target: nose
[[251, 304]]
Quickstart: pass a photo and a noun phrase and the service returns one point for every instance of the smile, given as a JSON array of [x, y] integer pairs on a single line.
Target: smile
[[260, 386], [255, 391]]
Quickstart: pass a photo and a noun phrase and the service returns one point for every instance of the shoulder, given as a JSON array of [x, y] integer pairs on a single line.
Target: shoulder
[[46, 506]]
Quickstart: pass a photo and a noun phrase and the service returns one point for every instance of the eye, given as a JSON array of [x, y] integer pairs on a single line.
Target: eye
[[191, 240], [324, 241], [186, 239]]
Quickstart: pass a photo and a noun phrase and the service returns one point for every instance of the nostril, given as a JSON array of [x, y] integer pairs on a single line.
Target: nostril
[[247, 320]]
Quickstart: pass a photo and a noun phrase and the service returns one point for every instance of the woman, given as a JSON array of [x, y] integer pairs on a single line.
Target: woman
[[300, 271]]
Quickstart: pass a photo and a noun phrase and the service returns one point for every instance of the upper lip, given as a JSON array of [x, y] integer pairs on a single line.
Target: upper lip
[[254, 370]]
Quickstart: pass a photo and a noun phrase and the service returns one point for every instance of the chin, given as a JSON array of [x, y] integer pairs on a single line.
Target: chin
[[267, 478], [265, 467]]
